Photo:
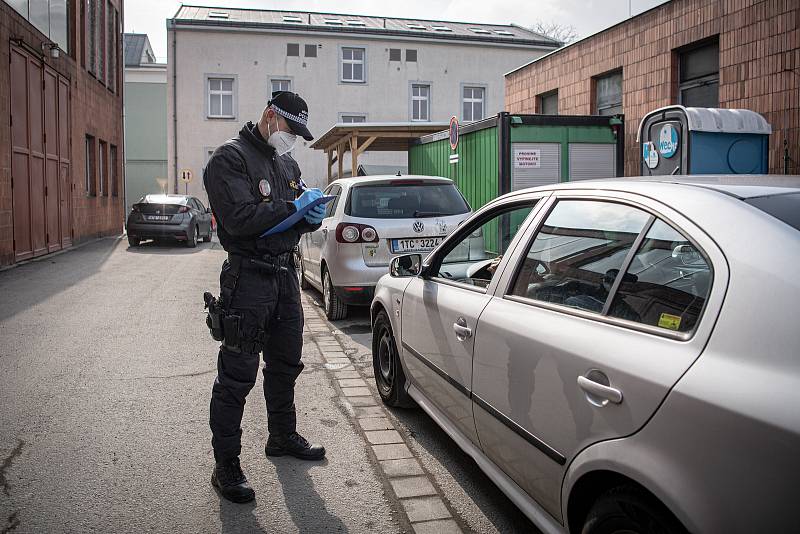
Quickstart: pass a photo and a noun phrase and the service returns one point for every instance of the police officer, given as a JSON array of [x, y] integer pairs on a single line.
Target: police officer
[[253, 184]]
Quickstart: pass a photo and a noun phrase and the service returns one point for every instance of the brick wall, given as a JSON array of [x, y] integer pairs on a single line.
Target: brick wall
[[94, 110], [759, 67]]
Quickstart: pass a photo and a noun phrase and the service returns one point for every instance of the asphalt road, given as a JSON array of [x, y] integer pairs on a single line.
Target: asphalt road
[[106, 369]]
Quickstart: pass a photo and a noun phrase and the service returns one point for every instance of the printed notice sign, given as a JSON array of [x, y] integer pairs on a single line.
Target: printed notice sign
[[527, 158]]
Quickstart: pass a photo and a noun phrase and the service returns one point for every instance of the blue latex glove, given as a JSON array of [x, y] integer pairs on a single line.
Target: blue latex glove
[[308, 196], [315, 214]]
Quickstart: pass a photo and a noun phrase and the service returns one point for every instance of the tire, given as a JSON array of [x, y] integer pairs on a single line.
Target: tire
[[334, 308], [134, 241], [630, 509], [298, 262], [389, 375], [191, 242], [207, 238]]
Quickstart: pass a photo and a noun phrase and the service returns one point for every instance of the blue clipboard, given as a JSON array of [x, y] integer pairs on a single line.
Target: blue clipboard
[[295, 217]]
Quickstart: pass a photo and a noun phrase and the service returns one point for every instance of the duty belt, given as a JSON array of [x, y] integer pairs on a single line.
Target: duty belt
[[271, 264]]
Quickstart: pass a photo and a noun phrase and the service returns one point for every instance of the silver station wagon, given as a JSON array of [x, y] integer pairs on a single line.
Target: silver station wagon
[[372, 220], [617, 356]]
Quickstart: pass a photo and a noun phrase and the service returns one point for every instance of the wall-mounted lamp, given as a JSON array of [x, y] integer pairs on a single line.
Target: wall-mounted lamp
[[53, 48]]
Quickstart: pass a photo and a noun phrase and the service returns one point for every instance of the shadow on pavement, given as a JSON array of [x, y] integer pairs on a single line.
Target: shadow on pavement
[[169, 248], [504, 515], [238, 518], [31, 283], [305, 505]]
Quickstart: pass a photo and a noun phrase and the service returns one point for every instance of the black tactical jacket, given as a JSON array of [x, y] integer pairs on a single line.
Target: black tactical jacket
[[232, 179]]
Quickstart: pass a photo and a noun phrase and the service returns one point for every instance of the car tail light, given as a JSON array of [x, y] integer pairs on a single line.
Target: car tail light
[[356, 233], [183, 209]]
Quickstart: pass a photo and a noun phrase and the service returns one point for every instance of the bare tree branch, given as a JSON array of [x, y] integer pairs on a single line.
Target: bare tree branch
[[563, 33]]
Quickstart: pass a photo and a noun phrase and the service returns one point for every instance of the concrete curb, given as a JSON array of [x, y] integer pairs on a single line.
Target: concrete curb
[[421, 500]]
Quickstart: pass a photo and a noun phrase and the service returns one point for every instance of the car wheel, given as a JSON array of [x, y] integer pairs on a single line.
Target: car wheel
[[630, 510], [389, 375], [207, 238], [298, 264], [334, 307], [134, 241], [191, 242]]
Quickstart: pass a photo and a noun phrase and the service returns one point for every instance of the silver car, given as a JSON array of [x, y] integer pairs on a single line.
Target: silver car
[[372, 220], [621, 356]]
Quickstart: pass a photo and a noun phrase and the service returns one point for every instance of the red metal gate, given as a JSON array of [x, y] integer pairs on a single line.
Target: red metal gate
[[40, 169]]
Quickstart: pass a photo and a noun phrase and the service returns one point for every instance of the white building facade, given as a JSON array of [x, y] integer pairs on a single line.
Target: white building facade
[[225, 63]]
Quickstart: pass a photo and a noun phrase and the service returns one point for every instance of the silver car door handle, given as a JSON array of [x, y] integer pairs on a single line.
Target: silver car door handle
[[595, 388], [461, 329]]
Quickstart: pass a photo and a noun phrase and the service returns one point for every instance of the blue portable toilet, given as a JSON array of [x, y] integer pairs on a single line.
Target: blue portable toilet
[[681, 140]]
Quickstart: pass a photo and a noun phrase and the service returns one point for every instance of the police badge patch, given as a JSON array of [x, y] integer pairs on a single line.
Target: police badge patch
[[264, 188], [294, 185]]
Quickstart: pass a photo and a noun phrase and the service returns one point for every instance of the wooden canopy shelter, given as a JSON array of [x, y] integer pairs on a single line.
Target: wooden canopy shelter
[[357, 138]]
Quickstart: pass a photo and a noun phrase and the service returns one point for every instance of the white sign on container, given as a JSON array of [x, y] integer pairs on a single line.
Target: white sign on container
[[527, 158]]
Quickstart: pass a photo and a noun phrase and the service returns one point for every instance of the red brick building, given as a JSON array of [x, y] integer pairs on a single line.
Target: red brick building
[[61, 129], [711, 53]]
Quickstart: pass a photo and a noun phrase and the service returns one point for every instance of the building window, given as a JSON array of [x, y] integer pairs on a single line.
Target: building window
[[101, 42], [411, 56], [91, 189], [220, 98], [353, 118], [395, 54], [699, 76], [111, 46], [113, 174], [608, 94], [420, 102], [92, 41], [293, 49], [51, 18], [281, 85], [353, 64], [103, 175], [473, 103], [311, 50], [548, 103]]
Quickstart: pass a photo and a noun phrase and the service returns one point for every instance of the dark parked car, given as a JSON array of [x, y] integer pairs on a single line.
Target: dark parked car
[[178, 217]]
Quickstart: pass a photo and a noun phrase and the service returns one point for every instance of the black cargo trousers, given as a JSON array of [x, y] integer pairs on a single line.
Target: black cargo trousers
[[272, 323]]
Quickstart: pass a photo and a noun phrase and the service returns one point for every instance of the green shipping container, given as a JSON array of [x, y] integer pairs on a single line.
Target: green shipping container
[[510, 152]]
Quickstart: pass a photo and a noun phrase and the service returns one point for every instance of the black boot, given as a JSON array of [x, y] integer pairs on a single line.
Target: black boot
[[229, 479], [294, 445]]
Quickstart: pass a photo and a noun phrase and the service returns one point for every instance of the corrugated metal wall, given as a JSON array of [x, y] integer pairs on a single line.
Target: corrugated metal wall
[[477, 172]]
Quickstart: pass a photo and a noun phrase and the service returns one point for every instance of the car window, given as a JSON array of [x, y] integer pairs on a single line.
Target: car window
[[784, 207], [199, 204], [578, 253], [330, 209], [474, 259], [405, 200], [667, 283]]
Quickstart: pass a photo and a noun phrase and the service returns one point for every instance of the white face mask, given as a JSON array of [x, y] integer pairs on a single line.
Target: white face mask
[[282, 142]]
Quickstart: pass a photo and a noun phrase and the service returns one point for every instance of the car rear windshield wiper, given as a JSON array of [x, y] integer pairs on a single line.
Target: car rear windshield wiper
[[419, 213]]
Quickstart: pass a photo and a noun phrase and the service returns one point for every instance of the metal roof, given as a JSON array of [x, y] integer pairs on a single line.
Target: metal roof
[[305, 22], [390, 136], [137, 50]]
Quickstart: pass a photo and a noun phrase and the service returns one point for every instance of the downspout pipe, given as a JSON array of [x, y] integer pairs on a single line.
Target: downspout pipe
[[171, 26]]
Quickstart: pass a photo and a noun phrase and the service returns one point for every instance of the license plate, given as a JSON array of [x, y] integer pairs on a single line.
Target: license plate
[[158, 217], [421, 244]]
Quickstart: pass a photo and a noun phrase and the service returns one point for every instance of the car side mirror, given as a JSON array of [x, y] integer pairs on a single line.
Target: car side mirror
[[405, 266], [208, 210]]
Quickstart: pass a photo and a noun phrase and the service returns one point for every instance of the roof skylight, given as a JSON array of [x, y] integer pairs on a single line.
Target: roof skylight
[[218, 15], [480, 30], [416, 26], [293, 19], [355, 23], [503, 32], [441, 28], [335, 22]]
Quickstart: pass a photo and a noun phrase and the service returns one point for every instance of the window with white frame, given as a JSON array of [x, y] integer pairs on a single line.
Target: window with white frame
[[350, 118], [220, 98], [420, 102], [281, 85], [473, 99], [353, 64]]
